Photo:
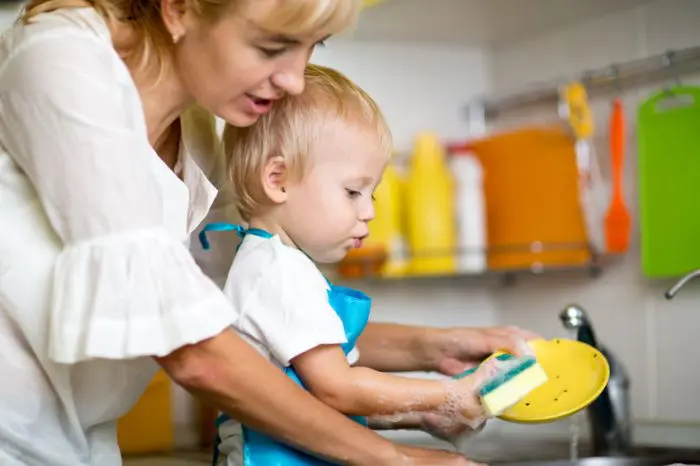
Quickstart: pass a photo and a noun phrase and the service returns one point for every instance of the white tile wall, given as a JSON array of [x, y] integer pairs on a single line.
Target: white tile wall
[[418, 86], [653, 337]]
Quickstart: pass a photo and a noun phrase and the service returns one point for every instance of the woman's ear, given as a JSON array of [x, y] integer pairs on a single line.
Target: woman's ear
[[173, 13], [274, 176]]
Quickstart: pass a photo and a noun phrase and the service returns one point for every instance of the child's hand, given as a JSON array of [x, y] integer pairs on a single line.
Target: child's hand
[[463, 403], [447, 429]]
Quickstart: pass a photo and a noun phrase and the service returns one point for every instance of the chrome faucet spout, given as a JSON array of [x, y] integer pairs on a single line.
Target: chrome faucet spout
[[681, 283], [609, 415]]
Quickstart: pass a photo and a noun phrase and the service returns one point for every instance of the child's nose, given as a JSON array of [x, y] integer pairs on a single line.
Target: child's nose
[[368, 213]]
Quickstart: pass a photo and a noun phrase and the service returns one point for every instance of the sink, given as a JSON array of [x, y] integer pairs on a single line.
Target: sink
[[639, 456], [614, 461], [504, 450]]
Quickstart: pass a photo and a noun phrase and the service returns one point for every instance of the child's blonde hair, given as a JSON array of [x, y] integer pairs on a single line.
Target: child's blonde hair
[[154, 43], [290, 129]]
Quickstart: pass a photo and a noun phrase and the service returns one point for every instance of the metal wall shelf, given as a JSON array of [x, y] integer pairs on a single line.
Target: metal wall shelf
[[667, 66], [507, 276]]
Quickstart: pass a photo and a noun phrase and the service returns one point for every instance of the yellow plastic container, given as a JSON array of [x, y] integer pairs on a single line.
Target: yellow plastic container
[[384, 251], [386, 228], [430, 216], [148, 427]]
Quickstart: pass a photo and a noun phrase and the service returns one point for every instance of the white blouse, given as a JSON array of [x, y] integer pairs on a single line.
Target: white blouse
[[95, 272]]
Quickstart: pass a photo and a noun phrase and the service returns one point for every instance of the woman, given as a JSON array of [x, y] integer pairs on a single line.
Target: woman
[[103, 177]]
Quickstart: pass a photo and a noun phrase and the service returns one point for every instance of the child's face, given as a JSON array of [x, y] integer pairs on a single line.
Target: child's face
[[326, 214]]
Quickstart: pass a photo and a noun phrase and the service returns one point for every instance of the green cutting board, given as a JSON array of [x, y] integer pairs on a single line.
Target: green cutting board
[[669, 181]]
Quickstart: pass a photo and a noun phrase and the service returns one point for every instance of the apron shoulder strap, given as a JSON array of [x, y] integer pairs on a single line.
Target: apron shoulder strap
[[240, 230]]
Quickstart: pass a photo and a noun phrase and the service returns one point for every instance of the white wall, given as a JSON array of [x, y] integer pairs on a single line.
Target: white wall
[[418, 86], [8, 13], [652, 336]]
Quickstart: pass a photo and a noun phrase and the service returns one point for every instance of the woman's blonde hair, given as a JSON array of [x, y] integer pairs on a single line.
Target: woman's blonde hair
[[291, 128], [154, 42]]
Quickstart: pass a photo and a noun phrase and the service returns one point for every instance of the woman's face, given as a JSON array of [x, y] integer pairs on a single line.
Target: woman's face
[[235, 68]]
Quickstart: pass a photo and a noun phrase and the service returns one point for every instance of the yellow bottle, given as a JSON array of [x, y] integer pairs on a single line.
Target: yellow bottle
[[386, 226], [431, 228], [148, 427]]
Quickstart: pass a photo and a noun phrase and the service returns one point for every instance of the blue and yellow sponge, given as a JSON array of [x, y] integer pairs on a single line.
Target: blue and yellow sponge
[[518, 377]]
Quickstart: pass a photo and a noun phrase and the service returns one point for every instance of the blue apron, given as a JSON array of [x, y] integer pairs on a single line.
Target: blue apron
[[353, 308]]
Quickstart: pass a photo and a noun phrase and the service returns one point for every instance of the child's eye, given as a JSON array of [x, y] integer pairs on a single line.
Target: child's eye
[[353, 194]]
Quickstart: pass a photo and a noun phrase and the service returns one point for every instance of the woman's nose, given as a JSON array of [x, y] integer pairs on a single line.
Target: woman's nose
[[290, 80]]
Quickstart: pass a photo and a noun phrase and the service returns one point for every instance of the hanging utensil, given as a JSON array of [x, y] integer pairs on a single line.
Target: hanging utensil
[[617, 219], [575, 110]]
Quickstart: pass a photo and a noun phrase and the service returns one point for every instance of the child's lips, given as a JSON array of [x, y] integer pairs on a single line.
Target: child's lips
[[357, 241]]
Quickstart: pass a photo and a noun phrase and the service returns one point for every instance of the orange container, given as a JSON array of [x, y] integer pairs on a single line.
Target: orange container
[[364, 262], [534, 215]]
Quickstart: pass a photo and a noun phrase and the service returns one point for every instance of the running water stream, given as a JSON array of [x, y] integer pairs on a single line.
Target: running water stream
[[575, 426]]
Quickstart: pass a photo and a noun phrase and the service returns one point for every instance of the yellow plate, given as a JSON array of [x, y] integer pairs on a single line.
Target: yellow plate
[[577, 374]]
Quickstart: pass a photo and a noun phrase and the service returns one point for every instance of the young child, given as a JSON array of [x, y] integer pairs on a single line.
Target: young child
[[304, 177]]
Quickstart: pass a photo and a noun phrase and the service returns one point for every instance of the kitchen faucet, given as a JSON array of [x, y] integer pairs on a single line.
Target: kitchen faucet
[[609, 414], [681, 283]]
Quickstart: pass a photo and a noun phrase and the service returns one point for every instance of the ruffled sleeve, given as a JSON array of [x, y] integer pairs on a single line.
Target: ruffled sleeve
[[124, 284], [131, 295]]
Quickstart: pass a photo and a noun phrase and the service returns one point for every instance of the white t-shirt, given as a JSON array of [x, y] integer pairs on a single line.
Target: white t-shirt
[[95, 272], [281, 300]]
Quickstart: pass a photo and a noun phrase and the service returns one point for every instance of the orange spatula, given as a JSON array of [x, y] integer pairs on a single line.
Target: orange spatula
[[617, 219]]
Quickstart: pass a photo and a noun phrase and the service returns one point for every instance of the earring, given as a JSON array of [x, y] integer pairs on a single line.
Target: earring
[[177, 36]]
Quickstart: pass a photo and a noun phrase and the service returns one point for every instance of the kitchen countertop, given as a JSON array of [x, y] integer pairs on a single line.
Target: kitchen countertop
[[502, 449], [483, 451], [489, 449]]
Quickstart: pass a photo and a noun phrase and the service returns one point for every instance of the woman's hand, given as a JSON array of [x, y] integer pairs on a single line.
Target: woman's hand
[[414, 456], [455, 350], [399, 348]]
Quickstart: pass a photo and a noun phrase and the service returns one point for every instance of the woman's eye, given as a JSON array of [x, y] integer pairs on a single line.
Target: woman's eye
[[271, 53], [353, 194]]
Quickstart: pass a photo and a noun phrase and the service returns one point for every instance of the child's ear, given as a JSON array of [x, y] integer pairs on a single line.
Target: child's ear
[[274, 176]]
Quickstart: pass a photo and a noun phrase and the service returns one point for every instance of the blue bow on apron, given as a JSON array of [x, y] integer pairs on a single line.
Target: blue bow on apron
[[352, 306]]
